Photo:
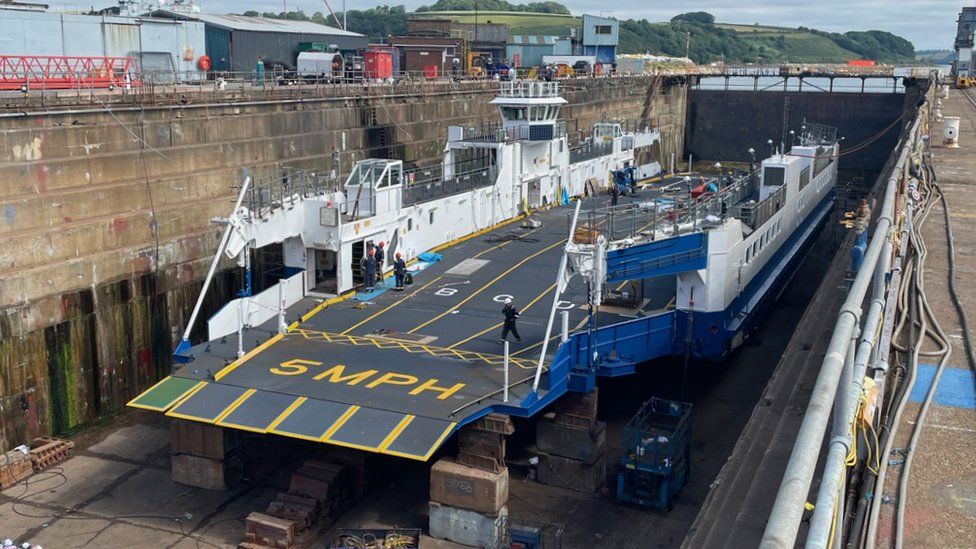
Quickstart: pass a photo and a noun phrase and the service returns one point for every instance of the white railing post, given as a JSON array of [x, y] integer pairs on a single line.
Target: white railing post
[[282, 328], [505, 387]]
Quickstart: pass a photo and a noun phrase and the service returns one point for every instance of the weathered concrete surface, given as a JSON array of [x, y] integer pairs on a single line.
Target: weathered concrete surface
[[105, 216], [723, 125], [941, 500]]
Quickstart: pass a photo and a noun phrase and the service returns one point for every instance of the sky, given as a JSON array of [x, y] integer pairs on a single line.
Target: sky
[[929, 24]]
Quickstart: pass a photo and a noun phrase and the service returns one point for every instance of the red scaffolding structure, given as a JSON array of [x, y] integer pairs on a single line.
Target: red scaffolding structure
[[64, 72]]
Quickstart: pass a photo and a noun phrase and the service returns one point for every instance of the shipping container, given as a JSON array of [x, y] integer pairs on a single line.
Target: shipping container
[[379, 63]]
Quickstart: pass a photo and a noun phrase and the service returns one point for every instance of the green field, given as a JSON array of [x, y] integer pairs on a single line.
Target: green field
[[519, 23]]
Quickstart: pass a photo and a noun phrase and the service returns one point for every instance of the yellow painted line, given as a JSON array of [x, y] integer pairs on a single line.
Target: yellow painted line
[[963, 216], [284, 414], [132, 403], [247, 356], [233, 405], [476, 234], [241, 427], [430, 452], [489, 284], [338, 423], [378, 313], [495, 326], [193, 390], [331, 301], [396, 432]]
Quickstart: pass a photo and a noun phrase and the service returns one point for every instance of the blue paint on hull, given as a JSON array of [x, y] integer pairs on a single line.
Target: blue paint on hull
[[713, 333]]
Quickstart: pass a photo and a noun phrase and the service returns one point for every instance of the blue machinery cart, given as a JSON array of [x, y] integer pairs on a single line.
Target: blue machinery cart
[[656, 459]]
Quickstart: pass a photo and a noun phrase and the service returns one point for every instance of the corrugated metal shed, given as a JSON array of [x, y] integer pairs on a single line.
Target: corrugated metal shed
[[236, 42], [24, 32], [527, 51]]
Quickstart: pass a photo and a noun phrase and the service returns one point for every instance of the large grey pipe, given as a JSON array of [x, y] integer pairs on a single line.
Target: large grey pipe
[[823, 515], [784, 521]]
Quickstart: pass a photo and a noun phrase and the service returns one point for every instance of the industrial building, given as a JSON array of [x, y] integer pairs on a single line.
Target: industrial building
[[430, 56], [236, 42], [599, 38], [528, 51], [161, 48]]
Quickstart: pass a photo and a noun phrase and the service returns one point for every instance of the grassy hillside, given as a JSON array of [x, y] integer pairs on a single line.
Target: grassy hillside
[[546, 24], [783, 44]]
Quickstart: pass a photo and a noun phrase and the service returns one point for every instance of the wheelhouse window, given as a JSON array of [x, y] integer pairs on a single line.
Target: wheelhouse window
[[774, 176]]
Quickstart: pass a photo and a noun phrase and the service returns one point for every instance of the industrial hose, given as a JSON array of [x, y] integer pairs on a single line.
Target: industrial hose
[[929, 328]]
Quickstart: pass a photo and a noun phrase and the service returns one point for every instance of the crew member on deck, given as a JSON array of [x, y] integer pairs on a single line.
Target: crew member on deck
[[380, 256], [399, 272], [511, 313], [368, 265]]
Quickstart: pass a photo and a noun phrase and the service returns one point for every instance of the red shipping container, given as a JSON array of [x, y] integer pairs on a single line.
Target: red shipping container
[[430, 71], [379, 63], [860, 63]]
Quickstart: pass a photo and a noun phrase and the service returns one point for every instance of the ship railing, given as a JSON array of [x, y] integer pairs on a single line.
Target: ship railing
[[283, 190], [755, 214], [496, 133], [429, 185], [668, 215], [520, 88], [589, 150], [635, 270]]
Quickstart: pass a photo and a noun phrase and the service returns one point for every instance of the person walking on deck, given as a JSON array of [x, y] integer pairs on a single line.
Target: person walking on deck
[[511, 313]]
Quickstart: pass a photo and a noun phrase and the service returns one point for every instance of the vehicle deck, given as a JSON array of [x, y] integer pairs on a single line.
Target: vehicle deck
[[397, 372]]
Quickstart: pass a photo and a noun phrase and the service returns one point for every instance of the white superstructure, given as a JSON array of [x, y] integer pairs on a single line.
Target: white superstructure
[[488, 175]]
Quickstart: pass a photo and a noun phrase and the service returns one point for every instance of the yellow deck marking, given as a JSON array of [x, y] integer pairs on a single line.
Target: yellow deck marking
[[283, 415], [331, 301], [495, 326], [414, 348], [155, 408], [196, 388], [396, 432], [233, 405], [248, 355], [430, 452], [392, 305], [338, 423], [487, 285]]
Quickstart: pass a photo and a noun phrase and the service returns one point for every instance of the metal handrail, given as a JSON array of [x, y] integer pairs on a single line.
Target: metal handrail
[[838, 384]]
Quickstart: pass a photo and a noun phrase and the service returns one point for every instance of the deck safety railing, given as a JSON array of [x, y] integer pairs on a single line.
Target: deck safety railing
[[424, 185], [672, 215], [271, 193]]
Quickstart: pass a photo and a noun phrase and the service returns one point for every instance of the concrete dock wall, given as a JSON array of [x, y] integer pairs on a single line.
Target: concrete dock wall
[[723, 125], [105, 217]]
